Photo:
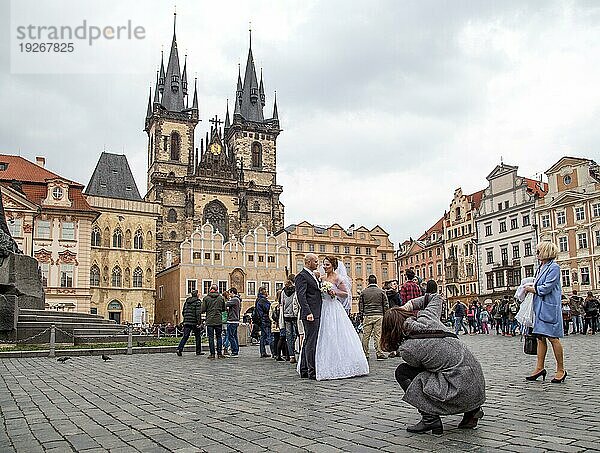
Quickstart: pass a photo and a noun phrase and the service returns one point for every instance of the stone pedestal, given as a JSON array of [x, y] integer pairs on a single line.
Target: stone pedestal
[[19, 276], [9, 313]]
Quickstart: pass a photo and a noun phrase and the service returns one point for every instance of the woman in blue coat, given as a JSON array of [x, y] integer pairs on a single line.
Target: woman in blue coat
[[548, 311]]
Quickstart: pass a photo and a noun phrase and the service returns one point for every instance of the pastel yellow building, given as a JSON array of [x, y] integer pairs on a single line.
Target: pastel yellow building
[[123, 244], [362, 251], [258, 259]]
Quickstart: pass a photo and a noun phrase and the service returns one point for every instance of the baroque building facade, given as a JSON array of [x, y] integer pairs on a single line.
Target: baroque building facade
[[50, 220], [569, 216], [460, 249], [425, 256], [362, 251], [258, 259], [506, 235], [231, 181], [123, 244]]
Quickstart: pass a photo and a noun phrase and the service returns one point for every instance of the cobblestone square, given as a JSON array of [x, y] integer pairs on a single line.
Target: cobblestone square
[[161, 402]]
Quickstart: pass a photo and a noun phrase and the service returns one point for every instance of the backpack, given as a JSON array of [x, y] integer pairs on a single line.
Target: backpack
[[275, 315]]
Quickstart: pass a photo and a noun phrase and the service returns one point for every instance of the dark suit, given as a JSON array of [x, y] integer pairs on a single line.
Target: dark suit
[[310, 301]]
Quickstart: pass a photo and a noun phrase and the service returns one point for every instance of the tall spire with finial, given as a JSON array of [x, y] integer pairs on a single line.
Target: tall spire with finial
[[227, 121], [173, 96], [275, 113], [195, 101], [149, 111], [261, 89], [251, 107], [238, 93], [184, 84], [157, 90], [161, 78]]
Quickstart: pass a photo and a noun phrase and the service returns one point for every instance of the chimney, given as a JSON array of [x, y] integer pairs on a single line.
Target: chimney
[[40, 161]]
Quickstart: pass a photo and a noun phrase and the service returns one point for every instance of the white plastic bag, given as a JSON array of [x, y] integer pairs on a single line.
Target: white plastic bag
[[520, 292], [525, 315]]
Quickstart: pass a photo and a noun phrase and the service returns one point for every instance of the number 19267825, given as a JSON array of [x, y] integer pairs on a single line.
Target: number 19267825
[[46, 47]]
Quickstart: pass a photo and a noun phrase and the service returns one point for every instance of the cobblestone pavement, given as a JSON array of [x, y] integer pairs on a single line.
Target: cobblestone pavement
[[162, 402]]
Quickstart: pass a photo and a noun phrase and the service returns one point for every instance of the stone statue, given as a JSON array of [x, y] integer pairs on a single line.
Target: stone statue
[[7, 243]]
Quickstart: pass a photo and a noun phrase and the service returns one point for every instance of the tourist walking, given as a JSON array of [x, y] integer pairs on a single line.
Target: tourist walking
[[372, 305], [288, 301], [471, 319], [497, 316], [440, 375], [547, 324], [233, 305], [576, 303], [484, 318], [566, 314], [504, 310], [213, 305], [591, 308], [276, 340], [191, 323], [460, 311], [262, 307]]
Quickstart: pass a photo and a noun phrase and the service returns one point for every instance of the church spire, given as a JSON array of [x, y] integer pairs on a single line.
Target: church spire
[[251, 107], [227, 121], [184, 84], [156, 90], [149, 111], [275, 113], [261, 90], [195, 101], [173, 94], [238, 93], [161, 78]]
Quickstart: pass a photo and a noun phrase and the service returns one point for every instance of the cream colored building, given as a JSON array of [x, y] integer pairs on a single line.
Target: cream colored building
[[569, 216], [461, 253], [362, 251], [258, 259], [50, 220], [123, 244]]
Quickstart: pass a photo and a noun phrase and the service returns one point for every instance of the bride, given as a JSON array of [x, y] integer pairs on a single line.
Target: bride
[[339, 352]]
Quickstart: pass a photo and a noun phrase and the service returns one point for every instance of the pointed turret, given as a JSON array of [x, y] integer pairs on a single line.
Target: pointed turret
[[149, 111], [275, 113], [184, 83], [156, 91], [261, 90], [173, 96], [227, 121], [195, 101], [161, 78]]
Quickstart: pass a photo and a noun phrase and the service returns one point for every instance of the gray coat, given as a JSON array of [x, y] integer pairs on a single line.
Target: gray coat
[[453, 381]]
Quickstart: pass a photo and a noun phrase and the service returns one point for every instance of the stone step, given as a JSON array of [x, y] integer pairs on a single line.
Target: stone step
[[68, 325], [99, 331], [86, 339], [58, 314], [70, 319]]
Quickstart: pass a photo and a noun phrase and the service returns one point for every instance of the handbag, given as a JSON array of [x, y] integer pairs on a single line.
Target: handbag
[[530, 344]]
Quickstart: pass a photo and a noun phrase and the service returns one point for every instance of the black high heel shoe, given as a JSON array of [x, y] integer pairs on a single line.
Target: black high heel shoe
[[537, 375], [561, 380]]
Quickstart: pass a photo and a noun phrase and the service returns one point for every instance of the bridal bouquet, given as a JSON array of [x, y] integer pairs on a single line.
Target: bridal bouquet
[[326, 287]]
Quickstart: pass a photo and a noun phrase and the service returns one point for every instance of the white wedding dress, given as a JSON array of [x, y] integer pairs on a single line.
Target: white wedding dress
[[339, 352]]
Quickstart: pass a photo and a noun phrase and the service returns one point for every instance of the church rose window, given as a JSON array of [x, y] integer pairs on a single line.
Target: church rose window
[[215, 213]]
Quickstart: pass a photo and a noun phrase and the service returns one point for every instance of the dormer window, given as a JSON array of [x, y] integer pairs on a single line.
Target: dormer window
[[57, 193], [3, 166]]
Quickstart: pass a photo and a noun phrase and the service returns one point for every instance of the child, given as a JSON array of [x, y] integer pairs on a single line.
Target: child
[[484, 317]]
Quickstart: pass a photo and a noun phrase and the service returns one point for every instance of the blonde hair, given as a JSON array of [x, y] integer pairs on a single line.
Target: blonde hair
[[547, 250]]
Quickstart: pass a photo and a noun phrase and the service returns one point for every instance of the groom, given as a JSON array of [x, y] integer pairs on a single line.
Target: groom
[[308, 292]]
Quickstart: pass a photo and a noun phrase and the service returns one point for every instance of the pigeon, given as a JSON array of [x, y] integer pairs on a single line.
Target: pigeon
[[105, 357], [63, 359]]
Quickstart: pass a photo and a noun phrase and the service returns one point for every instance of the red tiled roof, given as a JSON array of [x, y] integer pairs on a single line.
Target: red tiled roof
[[23, 170], [538, 188], [34, 179], [476, 198], [439, 225]]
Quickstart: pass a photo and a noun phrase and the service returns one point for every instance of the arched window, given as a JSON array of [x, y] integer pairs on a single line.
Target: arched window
[[256, 155], [172, 216], [215, 213], [116, 279], [96, 237], [95, 276], [117, 239], [256, 206], [175, 145], [138, 240], [138, 277]]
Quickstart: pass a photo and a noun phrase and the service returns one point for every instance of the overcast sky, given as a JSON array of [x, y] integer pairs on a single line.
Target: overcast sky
[[386, 106]]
